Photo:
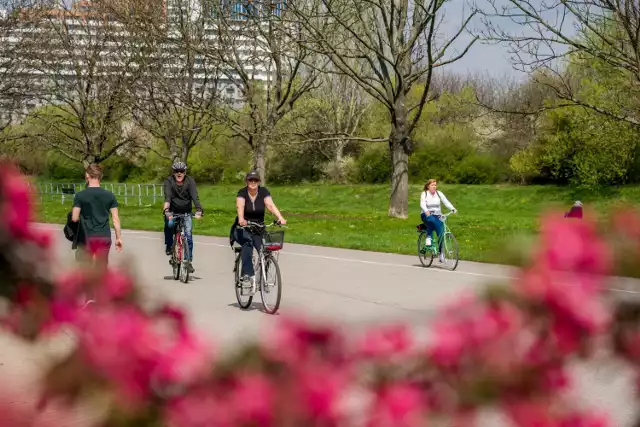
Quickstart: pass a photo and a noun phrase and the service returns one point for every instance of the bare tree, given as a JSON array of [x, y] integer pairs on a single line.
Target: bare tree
[[264, 60], [559, 42], [333, 115], [179, 94], [13, 82], [87, 64], [399, 43]]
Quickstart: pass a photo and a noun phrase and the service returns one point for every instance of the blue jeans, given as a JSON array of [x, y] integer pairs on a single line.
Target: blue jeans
[[248, 242], [188, 229], [432, 223]]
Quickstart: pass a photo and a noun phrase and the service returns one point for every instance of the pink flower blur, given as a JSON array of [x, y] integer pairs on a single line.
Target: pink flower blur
[[573, 246], [320, 390], [17, 212], [296, 341], [384, 342], [253, 400], [397, 405]]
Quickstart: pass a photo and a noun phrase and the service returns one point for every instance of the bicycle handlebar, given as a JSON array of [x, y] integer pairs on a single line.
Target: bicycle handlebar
[[184, 215], [262, 226]]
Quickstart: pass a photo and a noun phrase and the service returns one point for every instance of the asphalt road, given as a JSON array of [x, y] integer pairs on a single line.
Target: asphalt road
[[355, 288]]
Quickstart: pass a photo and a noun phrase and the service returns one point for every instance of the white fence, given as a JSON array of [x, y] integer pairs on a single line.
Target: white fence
[[129, 194]]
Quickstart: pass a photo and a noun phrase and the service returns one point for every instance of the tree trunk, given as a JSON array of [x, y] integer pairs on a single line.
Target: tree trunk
[[400, 147], [399, 202], [88, 160], [340, 150], [259, 158]]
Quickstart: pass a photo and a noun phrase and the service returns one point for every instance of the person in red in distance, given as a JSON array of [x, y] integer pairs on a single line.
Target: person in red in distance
[[575, 211]]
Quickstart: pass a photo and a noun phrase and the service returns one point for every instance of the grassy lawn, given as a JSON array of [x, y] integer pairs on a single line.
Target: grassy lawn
[[355, 216]]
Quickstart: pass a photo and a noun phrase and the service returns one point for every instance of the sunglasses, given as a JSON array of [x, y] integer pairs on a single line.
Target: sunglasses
[[254, 180], [179, 171]]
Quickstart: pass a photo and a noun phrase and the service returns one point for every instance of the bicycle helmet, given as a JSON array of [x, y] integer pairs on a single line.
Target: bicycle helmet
[[252, 175], [179, 166]]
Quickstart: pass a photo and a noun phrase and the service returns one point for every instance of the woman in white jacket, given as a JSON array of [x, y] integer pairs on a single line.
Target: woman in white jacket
[[430, 200]]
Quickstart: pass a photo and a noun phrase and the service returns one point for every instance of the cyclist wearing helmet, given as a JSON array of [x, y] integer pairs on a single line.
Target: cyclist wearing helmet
[[251, 204], [179, 193]]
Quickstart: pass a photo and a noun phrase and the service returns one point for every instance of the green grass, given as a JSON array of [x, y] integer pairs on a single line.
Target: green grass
[[355, 216]]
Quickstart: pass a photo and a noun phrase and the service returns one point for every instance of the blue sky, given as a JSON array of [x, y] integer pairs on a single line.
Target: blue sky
[[488, 58], [482, 58]]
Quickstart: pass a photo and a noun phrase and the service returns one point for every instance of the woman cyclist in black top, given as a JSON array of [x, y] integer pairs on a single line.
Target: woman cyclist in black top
[[251, 204]]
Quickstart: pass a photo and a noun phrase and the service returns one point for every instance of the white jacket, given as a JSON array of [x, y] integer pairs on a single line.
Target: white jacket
[[431, 202]]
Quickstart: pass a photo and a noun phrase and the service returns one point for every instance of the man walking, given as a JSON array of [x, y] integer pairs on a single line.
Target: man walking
[[91, 207], [180, 192]]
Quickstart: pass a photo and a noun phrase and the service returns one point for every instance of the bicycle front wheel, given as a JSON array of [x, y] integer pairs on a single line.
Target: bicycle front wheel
[[244, 301], [425, 254], [184, 271], [176, 258], [271, 286], [450, 251]]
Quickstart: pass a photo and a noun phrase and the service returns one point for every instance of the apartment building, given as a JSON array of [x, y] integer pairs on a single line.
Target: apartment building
[[80, 47]]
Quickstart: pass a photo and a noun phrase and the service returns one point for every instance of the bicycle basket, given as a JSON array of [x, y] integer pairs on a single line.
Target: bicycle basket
[[274, 240]]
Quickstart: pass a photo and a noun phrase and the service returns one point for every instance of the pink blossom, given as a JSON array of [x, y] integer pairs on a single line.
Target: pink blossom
[[17, 213], [185, 360], [555, 378], [549, 412], [474, 331], [632, 345], [320, 389], [449, 343], [297, 341], [201, 407], [384, 342], [114, 285], [584, 419], [399, 404], [41, 238], [253, 400], [18, 410], [574, 246], [570, 297], [246, 400], [128, 348], [70, 284], [531, 413], [121, 346]]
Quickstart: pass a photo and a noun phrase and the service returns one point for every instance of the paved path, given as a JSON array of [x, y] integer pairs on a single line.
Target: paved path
[[355, 288]]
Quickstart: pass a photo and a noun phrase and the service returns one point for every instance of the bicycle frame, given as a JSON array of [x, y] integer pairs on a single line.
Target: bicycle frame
[[427, 253], [263, 251], [178, 234], [435, 247]]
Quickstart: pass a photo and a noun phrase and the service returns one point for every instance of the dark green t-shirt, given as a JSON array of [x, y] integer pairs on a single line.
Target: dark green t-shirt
[[95, 204]]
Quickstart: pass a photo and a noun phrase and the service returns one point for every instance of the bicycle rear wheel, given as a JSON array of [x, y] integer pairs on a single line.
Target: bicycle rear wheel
[[184, 271], [244, 301], [451, 251], [425, 255], [271, 287]]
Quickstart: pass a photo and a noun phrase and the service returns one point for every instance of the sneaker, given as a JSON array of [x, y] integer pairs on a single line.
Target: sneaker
[[428, 242], [167, 250], [190, 268], [441, 258], [246, 281]]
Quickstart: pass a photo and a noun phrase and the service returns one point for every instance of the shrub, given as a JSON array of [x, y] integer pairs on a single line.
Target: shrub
[[374, 163]]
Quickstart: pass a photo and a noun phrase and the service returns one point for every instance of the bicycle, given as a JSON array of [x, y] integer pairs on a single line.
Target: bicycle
[[272, 242], [180, 249], [450, 245]]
